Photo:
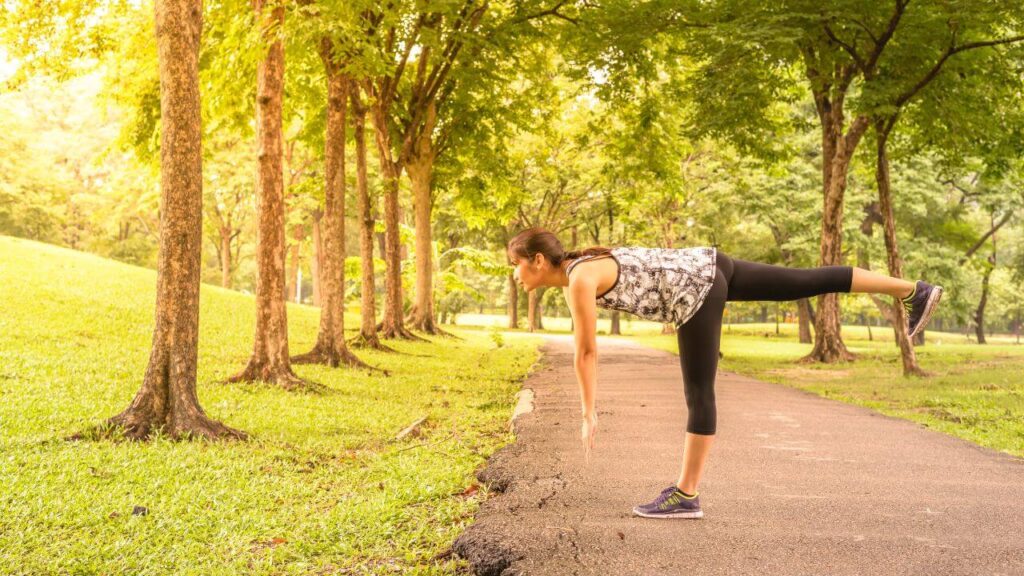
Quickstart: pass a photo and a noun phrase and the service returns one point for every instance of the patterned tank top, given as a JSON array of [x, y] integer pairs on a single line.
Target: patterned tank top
[[658, 284]]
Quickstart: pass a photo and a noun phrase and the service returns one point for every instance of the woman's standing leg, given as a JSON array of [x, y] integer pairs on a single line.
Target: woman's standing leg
[[700, 337], [699, 340]]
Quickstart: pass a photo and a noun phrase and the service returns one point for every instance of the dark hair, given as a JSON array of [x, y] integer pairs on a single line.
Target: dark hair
[[540, 241]]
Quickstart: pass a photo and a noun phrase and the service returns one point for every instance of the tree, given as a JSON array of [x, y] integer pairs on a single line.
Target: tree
[[331, 348], [367, 337], [928, 42], [167, 399], [430, 54], [269, 360], [228, 201]]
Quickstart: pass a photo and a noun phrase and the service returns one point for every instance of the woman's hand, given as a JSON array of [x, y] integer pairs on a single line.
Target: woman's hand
[[587, 431]]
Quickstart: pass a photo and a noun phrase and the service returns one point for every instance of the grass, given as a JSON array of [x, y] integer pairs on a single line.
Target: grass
[[974, 392], [322, 487]]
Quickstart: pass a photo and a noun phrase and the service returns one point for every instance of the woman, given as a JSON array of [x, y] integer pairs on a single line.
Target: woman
[[689, 288]]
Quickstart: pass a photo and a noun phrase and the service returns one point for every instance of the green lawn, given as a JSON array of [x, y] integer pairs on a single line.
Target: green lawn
[[975, 392], [322, 487]]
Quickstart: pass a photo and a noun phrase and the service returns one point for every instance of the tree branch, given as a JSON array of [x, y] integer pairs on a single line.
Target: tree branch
[[894, 20], [981, 241], [553, 11], [849, 49], [953, 49]]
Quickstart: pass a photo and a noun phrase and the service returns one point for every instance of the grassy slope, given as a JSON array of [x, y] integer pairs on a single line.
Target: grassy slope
[[322, 485], [975, 392]]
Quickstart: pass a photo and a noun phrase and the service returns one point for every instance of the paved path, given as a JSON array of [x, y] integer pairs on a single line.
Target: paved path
[[795, 484]]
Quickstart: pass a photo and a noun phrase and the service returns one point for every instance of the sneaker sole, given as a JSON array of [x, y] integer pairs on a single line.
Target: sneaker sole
[[697, 514], [929, 307]]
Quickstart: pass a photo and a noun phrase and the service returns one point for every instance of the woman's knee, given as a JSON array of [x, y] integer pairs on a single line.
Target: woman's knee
[[700, 405], [702, 421]]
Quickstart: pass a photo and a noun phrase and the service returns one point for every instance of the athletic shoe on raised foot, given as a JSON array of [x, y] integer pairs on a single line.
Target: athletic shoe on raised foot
[[671, 504], [920, 305]]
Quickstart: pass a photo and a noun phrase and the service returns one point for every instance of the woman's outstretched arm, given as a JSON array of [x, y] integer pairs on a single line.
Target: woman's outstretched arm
[[582, 296]]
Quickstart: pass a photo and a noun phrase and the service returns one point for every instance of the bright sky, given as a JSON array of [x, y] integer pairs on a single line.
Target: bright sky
[[7, 67]]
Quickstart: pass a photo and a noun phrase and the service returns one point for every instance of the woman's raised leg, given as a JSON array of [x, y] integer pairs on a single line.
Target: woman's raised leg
[[759, 281]]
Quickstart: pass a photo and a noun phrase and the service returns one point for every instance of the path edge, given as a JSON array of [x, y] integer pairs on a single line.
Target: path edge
[[487, 553]]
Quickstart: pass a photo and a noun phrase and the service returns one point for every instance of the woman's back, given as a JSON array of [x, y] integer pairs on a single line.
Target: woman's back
[[658, 284]]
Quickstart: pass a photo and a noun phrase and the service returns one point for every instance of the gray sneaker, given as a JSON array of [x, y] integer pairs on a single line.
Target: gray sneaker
[[671, 504], [920, 306]]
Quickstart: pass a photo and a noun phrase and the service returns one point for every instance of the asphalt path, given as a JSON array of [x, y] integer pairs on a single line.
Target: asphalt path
[[795, 484]]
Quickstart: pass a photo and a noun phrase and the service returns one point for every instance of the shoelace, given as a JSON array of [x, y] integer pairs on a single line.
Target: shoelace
[[665, 494]]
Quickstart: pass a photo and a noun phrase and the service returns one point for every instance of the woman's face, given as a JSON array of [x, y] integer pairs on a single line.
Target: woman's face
[[528, 273]]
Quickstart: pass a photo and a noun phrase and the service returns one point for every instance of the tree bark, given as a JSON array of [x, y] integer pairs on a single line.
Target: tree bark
[[531, 310], [837, 153], [803, 306], [318, 256], [391, 325], [367, 337], [331, 348], [420, 168], [225, 256], [616, 323], [979, 312], [167, 400], [270, 361], [910, 365], [513, 302], [292, 288], [538, 308]]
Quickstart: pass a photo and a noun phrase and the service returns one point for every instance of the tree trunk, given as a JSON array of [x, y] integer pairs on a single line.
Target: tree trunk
[[367, 337], [292, 286], [837, 152], [803, 306], [269, 361], [225, 256], [391, 325], [531, 310], [318, 256], [421, 169], [910, 366], [979, 312], [513, 302], [616, 323], [538, 313], [167, 400], [331, 348]]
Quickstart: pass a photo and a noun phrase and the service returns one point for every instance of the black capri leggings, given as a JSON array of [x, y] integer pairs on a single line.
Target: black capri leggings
[[699, 338]]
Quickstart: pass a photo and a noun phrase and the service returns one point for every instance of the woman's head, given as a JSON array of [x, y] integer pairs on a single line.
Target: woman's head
[[538, 255]]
